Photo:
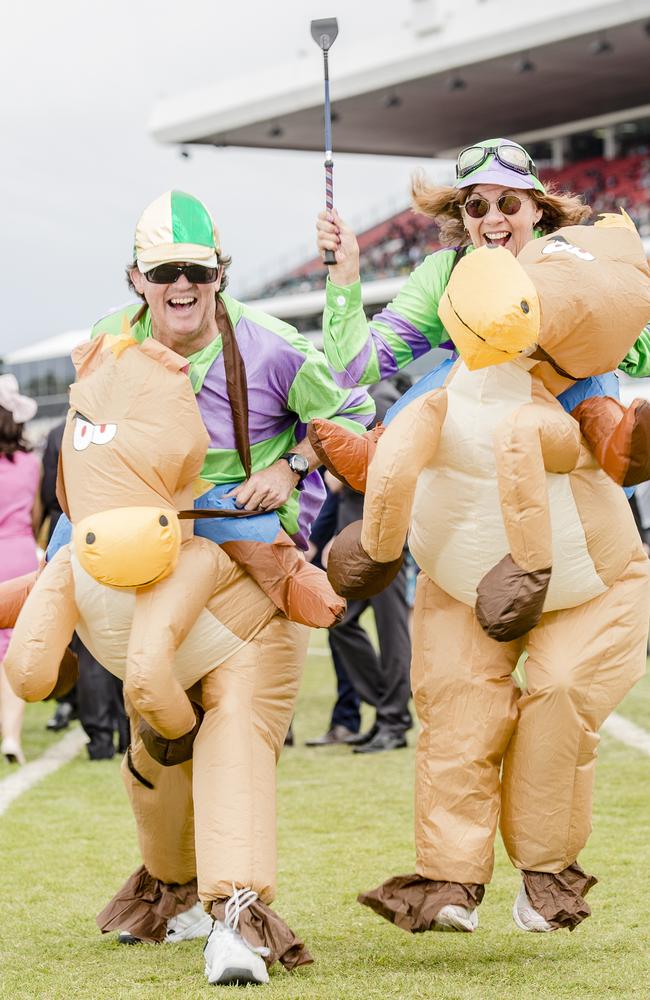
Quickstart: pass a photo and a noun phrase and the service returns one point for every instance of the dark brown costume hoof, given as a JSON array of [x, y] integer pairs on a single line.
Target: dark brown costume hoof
[[170, 752]]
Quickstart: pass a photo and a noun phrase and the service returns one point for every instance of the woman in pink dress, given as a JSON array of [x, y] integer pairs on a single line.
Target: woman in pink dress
[[20, 473]]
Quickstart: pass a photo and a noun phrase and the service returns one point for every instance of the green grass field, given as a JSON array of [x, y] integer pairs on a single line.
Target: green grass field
[[345, 825]]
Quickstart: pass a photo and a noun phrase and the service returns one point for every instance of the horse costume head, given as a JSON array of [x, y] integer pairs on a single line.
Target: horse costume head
[[576, 298], [133, 445]]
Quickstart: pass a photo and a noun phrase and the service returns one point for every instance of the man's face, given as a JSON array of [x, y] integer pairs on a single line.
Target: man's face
[[182, 313]]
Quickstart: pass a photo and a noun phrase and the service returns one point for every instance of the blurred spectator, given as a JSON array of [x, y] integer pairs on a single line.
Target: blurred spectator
[[381, 679], [20, 473], [345, 720]]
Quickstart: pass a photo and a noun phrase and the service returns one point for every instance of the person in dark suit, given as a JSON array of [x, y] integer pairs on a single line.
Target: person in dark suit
[[380, 679]]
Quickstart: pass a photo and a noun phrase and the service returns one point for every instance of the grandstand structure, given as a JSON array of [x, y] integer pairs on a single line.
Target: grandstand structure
[[568, 78]]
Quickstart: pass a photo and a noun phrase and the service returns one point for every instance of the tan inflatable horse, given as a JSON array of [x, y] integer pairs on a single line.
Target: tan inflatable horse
[[521, 538], [190, 633]]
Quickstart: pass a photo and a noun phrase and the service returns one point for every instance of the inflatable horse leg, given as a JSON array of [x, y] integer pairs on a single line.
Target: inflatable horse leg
[[13, 594], [618, 436], [300, 591], [165, 884], [42, 631], [581, 663], [459, 675], [248, 702], [344, 453], [163, 616]]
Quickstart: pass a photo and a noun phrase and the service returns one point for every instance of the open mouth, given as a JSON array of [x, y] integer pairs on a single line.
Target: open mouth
[[182, 303], [499, 239]]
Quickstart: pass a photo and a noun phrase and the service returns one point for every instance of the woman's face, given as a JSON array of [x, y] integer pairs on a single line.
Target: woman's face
[[497, 227]]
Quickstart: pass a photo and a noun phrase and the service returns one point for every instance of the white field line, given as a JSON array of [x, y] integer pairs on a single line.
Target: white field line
[[627, 732], [28, 775], [319, 652]]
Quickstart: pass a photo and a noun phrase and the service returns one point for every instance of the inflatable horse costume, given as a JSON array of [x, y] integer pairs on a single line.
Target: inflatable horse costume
[[525, 545], [203, 652]]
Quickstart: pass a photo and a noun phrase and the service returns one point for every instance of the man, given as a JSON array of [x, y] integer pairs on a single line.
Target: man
[[380, 679], [257, 384]]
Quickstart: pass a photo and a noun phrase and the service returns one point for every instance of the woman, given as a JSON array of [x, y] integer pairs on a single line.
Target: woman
[[497, 200], [20, 473]]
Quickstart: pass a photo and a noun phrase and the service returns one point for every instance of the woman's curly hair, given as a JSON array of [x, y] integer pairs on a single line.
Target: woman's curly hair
[[443, 205]]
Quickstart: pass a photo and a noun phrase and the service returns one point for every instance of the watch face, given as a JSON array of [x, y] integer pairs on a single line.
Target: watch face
[[299, 464]]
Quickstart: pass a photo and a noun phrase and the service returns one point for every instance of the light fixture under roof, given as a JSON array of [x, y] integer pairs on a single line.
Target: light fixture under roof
[[392, 101], [525, 65], [456, 82], [275, 132], [600, 46]]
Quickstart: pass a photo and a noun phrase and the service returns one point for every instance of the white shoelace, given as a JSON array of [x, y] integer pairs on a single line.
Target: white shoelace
[[240, 900]]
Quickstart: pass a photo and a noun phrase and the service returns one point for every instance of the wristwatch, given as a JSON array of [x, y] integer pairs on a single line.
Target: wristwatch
[[297, 463]]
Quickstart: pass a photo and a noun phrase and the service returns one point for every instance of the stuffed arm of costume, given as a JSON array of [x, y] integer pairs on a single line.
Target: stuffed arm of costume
[[42, 631], [362, 562], [361, 353], [162, 618], [533, 441]]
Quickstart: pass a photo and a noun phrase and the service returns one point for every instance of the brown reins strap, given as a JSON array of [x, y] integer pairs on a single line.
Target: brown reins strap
[[236, 385], [198, 513]]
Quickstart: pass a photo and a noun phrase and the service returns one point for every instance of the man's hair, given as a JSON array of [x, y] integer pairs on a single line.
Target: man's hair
[[11, 435], [224, 262]]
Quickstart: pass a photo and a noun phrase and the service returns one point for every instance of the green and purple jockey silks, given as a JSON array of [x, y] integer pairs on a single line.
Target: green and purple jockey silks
[[289, 383], [176, 227]]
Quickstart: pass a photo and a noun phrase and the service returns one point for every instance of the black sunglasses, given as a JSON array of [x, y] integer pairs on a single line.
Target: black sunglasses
[[167, 274], [477, 208]]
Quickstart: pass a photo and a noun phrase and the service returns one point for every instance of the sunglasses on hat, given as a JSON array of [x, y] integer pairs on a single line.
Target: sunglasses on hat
[[196, 274], [477, 208], [508, 155]]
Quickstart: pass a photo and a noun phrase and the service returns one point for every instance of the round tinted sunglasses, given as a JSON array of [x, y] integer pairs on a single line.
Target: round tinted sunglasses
[[512, 157], [477, 208], [196, 274]]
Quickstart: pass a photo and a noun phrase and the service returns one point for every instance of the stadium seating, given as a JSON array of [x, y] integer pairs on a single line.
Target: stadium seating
[[397, 244]]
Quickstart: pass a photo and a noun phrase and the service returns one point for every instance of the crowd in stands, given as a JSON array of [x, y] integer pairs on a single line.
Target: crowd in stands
[[608, 185], [399, 243]]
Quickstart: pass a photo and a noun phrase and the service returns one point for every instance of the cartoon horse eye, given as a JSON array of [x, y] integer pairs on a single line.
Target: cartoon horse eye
[[103, 433], [82, 434]]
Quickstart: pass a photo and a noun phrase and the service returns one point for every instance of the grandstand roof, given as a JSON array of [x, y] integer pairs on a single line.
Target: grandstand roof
[[395, 95]]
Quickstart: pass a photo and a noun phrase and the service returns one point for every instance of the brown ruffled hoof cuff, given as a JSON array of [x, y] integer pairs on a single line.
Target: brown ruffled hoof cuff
[[413, 902], [144, 904], [559, 898], [261, 927]]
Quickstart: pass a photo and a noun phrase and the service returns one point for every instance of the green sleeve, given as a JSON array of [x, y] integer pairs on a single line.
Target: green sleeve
[[314, 393], [637, 360], [363, 352]]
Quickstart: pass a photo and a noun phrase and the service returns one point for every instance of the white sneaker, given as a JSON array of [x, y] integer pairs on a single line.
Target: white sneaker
[[228, 957], [192, 923], [456, 918], [525, 917]]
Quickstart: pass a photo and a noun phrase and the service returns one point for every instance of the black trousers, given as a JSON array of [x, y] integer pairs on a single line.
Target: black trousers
[[381, 680], [100, 705]]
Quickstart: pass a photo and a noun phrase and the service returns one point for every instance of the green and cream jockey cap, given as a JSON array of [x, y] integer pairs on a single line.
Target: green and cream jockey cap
[[176, 227]]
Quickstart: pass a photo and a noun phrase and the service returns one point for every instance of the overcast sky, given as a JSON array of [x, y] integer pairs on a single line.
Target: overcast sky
[[78, 83]]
